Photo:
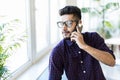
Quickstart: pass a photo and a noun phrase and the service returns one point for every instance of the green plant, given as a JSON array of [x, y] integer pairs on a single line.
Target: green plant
[[10, 40], [105, 26]]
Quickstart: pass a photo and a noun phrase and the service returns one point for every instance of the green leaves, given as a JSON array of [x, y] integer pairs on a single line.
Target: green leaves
[[1, 49], [85, 10], [101, 9], [11, 39], [112, 5], [105, 26], [3, 70], [3, 73], [108, 24]]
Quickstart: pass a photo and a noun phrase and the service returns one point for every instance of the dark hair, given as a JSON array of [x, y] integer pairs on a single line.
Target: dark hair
[[70, 10]]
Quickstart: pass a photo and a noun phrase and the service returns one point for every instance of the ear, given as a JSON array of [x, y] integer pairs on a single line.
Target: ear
[[80, 22]]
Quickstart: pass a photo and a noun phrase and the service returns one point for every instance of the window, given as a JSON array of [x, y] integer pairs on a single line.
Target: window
[[56, 34], [46, 16], [53, 21], [11, 10], [42, 24], [99, 17], [38, 20]]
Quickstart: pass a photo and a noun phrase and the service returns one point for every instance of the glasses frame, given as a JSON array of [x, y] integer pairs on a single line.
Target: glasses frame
[[66, 23]]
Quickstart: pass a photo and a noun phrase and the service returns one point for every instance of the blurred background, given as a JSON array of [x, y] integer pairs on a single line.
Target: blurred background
[[28, 32]]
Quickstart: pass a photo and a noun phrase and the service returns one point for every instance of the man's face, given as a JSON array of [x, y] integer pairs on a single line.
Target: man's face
[[68, 25]]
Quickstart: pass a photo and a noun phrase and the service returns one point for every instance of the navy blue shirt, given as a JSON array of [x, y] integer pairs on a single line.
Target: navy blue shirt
[[77, 63]]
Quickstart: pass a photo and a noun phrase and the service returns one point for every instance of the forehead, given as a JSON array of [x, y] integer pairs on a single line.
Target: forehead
[[67, 17]]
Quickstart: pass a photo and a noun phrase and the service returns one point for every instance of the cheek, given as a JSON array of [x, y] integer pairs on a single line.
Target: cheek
[[72, 29], [64, 29]]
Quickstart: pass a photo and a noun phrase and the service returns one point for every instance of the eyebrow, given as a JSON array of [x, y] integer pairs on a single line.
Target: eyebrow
[[67, 20]]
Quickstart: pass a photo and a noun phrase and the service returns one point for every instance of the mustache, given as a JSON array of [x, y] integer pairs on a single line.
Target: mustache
[[69, 31], [66, 32]]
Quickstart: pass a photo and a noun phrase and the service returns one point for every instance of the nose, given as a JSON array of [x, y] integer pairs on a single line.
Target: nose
[[64, 27]]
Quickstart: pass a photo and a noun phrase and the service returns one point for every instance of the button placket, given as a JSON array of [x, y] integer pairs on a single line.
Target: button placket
[[84, 71]]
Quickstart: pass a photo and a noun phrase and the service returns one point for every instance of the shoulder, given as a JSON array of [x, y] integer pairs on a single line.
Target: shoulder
[[57, 52], [93, 38], [58, 48], [60, 44], [90, 34]]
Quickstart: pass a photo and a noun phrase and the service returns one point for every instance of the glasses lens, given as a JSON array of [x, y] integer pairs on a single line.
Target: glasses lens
[[60, 24], [66, 23], [69, 23]]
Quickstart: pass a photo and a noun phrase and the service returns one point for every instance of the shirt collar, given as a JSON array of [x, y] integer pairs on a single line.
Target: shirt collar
[[69, 42]]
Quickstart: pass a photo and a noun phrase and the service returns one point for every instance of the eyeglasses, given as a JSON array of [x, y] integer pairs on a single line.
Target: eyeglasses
[[67, 23]]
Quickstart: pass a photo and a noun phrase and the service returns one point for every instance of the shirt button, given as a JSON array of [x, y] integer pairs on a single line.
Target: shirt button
[[79, 52], [81, 62], [84, 71]]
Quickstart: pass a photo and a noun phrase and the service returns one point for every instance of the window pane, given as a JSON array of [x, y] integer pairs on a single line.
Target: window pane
[[53, 20], [14, 14], [42, 21], [56, 34]]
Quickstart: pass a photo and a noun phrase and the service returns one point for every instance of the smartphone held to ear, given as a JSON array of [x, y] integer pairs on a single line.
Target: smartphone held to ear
[[79, 27]]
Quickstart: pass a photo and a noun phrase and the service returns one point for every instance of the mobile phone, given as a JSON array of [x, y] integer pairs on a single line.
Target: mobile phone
[[79, 27]]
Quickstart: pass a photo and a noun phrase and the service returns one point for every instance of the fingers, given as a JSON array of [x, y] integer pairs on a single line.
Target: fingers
[[73, 39], [74, 34]]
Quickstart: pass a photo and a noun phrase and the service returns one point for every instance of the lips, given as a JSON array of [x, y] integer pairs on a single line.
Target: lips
[[66, 34]]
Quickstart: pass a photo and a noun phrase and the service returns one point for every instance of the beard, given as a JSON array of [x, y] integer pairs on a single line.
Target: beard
[[66, 34]]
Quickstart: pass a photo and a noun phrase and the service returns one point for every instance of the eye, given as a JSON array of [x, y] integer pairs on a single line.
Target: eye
[[61, 23], [69, 23]]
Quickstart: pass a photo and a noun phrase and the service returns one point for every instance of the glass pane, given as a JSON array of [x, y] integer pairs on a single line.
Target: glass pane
[[14, 17], [53, 20], [98, 17], [56, 34], [42, 21]]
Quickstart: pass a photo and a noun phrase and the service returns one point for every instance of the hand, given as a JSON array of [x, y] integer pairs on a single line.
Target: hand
[[78, 38]]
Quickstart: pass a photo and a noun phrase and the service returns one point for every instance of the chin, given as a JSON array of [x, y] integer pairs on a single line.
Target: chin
[[66, 37]]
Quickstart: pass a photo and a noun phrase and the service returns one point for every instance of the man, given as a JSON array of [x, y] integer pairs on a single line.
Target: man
[[78, 54]]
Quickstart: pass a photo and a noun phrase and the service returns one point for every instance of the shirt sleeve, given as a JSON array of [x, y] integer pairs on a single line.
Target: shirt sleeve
[[55, 64], [99, 43]]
